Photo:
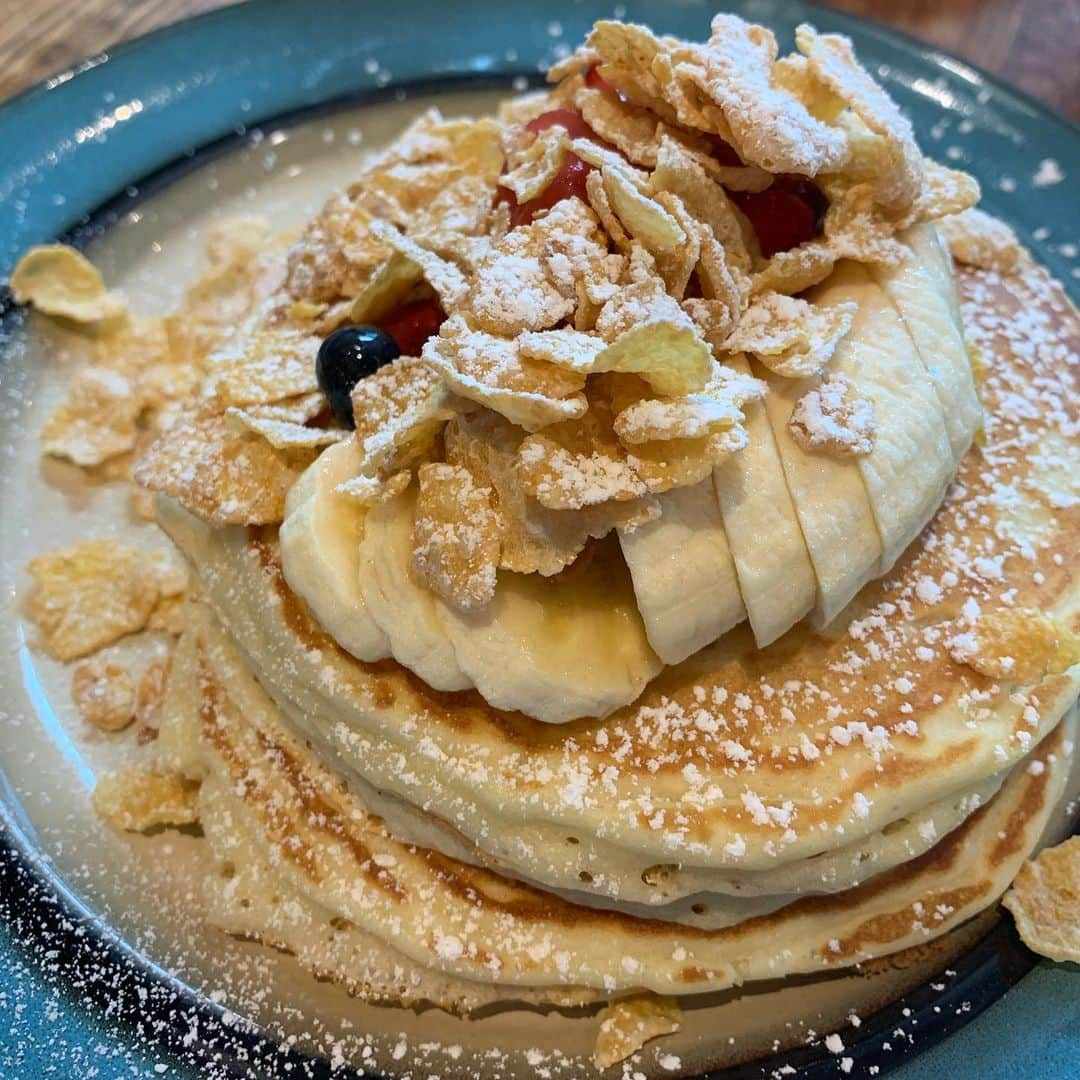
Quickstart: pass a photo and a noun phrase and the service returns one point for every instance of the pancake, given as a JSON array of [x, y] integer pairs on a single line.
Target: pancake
[[738, 759], [267, 802]]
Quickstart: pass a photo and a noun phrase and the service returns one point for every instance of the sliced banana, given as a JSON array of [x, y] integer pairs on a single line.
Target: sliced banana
[[557, 648], [831, 501], [776, 577], [912, 463], [917, 294], [932, 251], [406, 612], [684, 576], [320, 552]]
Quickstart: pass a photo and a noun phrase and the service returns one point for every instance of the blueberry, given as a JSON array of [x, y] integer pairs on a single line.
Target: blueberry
[[347, 356]]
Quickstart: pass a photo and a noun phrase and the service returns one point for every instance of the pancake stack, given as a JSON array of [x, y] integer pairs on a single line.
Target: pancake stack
[[695, 607]]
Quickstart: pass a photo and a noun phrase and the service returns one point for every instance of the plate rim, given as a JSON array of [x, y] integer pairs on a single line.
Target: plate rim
[[16, 840]]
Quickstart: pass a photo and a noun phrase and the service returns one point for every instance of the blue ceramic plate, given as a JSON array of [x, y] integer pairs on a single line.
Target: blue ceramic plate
[[94, 147]]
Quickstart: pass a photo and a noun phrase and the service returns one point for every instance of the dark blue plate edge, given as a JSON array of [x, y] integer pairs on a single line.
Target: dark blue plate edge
[[859, 24], [105, 975], [914, 48]]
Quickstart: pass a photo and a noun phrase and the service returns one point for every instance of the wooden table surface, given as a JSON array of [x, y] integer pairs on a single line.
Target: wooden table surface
[[1031, 43]]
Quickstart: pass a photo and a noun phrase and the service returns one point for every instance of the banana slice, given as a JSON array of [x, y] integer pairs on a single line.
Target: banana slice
[[406, 612], [932, 251], [776, 577], [320, 552], [557, 648], [832, 504], [684, 576], [923, 305], [912, 463]]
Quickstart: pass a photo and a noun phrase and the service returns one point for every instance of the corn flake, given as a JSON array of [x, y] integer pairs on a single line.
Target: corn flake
[[168, 616], [946, 191], [367, 491], [650, 335], [633, 131], [769, 127], [796, 270], [1021, 645], [97, 421], [271, 364], [219, 474], [791, 337], [296, 410], [573, 350], [628, 1024], [677, 266], [394, 283], [135, 800], [1045, 899], [628, 56], [578, 464], [58, 280], [283, 434], [533, 168], [716, 408], [104, 694], [399, 412], [833, 418], [90, 595], [899, 173], [601, 206], [663, 464], [682, 173], [456, 536], [977, 239], [643, 217], [534, 539], [444, 277], [151, 693], [491, 371]]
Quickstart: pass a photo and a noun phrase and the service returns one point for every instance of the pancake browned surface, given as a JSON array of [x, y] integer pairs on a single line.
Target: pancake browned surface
[[737, 759], [265, 791]]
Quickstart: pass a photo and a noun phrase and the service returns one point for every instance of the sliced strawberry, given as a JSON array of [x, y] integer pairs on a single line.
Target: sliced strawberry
[[786, 214], [412, 324], [568, 181], [570, 119]]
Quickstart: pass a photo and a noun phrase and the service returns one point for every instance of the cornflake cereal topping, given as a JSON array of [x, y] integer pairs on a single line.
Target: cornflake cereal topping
[[272, 364], [151, 692], [1018, 644], [104, 694], [456, 536], [490, 371], [135, 800], [789, 336], [58, 280], [573, 287], [1045, 899], [650, 335], [976, 238], [628, 1024], [96, 422], [400, 410], [283, 434], [219, 474], [90, 595], [833, 418]]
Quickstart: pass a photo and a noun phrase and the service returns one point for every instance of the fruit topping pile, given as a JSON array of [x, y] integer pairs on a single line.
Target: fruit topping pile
[[554, 303]]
